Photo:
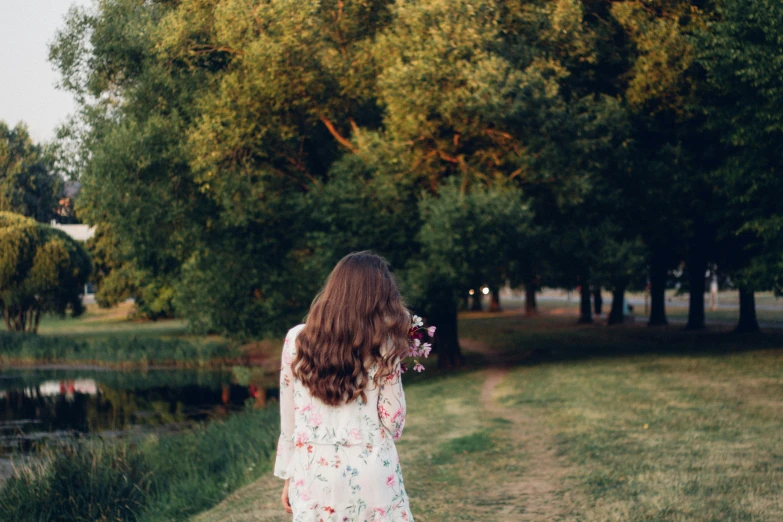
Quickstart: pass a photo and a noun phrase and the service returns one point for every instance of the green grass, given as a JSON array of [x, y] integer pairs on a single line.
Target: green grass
[[649, 424], [164, 478], [96, 321], [712, 448], [666, 437], [112, 350]]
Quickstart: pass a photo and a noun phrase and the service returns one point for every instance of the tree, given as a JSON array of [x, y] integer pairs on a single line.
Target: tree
[[740, 53], [27, 184], [672, 198], [41, 270], [207, 124], [465, 237]]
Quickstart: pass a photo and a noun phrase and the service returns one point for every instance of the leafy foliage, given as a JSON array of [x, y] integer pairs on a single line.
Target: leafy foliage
[[41, 270], [27, 184], [236, 149], [741, 54]]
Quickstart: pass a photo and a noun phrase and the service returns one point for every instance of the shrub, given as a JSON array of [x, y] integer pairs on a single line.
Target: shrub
[[41, 270]]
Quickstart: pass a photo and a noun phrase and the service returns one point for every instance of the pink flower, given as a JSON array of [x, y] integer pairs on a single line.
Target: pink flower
[[431, 331], [390, 481], [426, 348], [287, 359], [399, 413], [382, 412], [307, 408], [299, 483], [357, 436], [305, 495], [301, 438], [418, 367], [378, 514], [316, 419]]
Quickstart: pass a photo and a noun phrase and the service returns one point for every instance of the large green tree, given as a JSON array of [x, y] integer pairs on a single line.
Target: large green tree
[[466, 237], [741, 52]]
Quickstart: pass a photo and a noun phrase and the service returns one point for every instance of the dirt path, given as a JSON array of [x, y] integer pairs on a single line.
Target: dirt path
[[540, 489]]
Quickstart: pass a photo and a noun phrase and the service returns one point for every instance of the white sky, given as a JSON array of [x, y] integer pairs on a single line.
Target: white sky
[[27, 79]]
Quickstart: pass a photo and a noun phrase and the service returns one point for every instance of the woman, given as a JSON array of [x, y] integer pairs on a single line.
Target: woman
[[341, 400]]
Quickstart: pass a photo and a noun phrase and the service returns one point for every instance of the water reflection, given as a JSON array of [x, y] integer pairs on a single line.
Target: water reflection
[[56, 404]]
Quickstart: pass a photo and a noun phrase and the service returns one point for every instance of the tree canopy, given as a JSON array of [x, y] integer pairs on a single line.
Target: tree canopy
[[234, 150]]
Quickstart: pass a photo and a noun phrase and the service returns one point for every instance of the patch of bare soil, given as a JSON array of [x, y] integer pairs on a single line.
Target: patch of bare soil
[[540, 492]]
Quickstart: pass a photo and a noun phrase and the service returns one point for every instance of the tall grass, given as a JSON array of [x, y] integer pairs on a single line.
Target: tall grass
[[114, 350], [164, 478]]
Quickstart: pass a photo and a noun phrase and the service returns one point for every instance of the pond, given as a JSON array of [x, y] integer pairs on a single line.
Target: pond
[[55, 404]]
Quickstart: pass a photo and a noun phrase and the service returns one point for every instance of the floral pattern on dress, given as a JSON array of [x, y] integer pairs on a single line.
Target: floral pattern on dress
[[342, 461]]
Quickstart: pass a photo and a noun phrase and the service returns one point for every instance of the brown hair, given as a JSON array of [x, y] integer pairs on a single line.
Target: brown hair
[[357, 320]]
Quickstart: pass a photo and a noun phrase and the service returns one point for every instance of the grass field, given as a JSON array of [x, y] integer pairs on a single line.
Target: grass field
[[547, 420], [553, 421], [107, 337], [96, 321]]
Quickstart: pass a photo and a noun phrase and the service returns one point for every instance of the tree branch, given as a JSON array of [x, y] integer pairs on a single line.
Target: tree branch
[[333, 131]]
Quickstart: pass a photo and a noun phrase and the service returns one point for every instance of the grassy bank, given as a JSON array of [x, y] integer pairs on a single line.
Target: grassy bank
[[561, 422], [107, 337], [113, 350], [164, 478]]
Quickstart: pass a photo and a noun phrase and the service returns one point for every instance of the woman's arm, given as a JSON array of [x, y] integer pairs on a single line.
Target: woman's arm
[[285, 444], [391, 404]]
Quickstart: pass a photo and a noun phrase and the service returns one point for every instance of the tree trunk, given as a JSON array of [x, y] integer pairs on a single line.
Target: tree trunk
[[446, 342], [476, 304], [617, 313], [748, 322], [494, 301], [697, 265], [585, 305], [37, 320], [657, 291], [598, 301], [7, 319], [20, 325], [531, 308]]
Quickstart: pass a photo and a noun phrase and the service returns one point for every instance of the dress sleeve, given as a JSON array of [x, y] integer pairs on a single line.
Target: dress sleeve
[[391, 404], [285, 445]]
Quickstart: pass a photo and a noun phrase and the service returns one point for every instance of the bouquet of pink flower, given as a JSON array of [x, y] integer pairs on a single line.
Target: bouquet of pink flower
[[418, 348]]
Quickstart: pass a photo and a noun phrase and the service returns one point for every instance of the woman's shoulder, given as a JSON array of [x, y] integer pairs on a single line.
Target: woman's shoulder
[[293, 332]]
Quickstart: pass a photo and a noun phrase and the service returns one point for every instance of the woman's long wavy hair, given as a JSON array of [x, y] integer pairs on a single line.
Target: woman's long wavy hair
[[357, 320]]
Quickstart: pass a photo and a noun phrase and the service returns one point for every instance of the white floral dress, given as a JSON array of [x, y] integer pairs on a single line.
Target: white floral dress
[[341, 460]]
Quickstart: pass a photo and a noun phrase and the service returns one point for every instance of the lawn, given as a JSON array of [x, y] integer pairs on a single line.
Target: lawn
[[108, 337], [553, 421], [96, 321]]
